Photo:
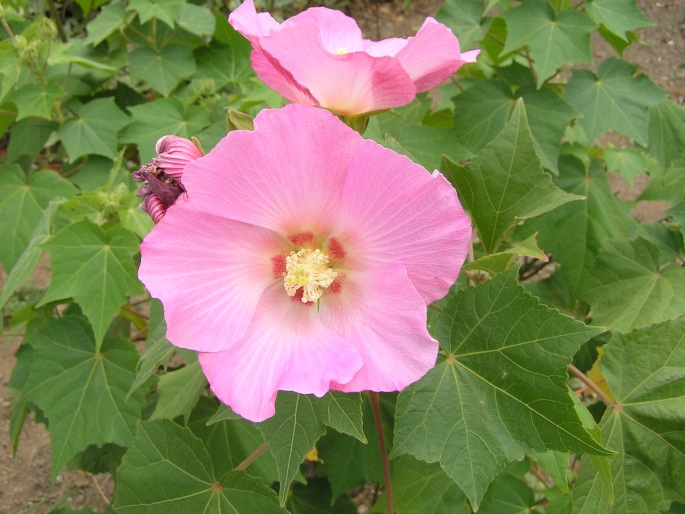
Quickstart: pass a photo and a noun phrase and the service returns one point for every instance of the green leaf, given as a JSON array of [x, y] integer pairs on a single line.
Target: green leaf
[[614, 99], [422, 488], [28, 260], [94, 131], [668, 184], [110, 19], [554, 39], [666, 131], [292, 432], [22, 201], [347, 462], [481, 112], [556, 465], [645, 370], [464, 18], [630, 287], [505, 182], [225, 64], [162, 69], [315, 498], [549, 116], [425, 144], [497, 394], [81, 387], [179, 391], [155, 119], [168, 469], [499, 262], [29, 136], [94, 267], [158, 351], [629, 162], [574, 233], [35, 101], [345, 414], [163, 10], [677, 212], [618, 16], [507, 495], [230, 442], [195, 19]]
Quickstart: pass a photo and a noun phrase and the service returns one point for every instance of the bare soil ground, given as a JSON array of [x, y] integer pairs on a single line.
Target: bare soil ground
[[25, 478]]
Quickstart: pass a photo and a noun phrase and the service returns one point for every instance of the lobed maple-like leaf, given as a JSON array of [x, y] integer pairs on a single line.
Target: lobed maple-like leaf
[[645, 371], [94, 267], [614, 99], [167, 469], [554, 39], [496, 394], [618, 16], [81, 387], [630, 286], [22, 201], [666, 131], [505, 182], [94, 131], [163, 68]]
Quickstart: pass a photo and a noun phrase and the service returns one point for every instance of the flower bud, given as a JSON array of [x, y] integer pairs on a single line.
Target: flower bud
[[161, 177], [46, 29], [173, 153]]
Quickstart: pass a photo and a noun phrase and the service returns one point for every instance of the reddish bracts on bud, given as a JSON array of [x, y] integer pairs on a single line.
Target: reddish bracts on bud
[[162, 175]]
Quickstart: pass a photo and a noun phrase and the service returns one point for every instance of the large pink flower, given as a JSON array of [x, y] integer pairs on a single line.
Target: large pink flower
[[319, 57], [303, 259]]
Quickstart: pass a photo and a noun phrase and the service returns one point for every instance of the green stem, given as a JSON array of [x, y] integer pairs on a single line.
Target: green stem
[[375, 405], [57, 20]]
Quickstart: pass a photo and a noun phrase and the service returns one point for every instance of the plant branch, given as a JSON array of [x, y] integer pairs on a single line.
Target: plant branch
[[375, 405], [252, 457], [57, 20], [594, 387]]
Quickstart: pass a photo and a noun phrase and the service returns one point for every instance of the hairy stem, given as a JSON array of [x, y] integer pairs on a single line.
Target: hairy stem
[[57, 20], [375, 405], [594, 387]]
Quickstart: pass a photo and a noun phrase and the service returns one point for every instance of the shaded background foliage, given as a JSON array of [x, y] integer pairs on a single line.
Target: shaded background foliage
[[531, 128]]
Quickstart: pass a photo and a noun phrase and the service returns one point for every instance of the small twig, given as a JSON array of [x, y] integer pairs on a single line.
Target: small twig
[[7, 28], [594, 387], [102, 493], [376, 407], [252, 457]]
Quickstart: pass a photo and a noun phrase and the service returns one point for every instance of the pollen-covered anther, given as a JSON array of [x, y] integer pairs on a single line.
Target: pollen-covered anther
[[310, 271]]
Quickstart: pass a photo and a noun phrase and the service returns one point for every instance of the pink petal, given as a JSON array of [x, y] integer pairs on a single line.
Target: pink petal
[[245, 20], [336, 31], [349, 84], [393, 210], [286, 175], [389, 47], [286, 348], [209, 273], [279, 79], [432, 56], [381, 312]]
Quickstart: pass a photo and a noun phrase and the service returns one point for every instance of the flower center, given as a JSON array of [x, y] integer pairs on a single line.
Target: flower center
[[340, 51], [309, 270]]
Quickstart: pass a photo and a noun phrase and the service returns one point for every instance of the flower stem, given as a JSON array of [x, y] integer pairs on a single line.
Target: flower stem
[[375, 405], [252, 457], [595, 388]]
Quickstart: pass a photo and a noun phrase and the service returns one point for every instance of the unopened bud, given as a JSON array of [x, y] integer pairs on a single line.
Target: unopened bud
[[46, 29]]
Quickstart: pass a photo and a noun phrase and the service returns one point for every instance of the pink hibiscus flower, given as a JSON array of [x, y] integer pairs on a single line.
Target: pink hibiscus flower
[[162, 176], [303, 259], [319, 58]]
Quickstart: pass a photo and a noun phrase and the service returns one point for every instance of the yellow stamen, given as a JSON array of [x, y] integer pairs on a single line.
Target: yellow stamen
[[307, 269], [340, 51]]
